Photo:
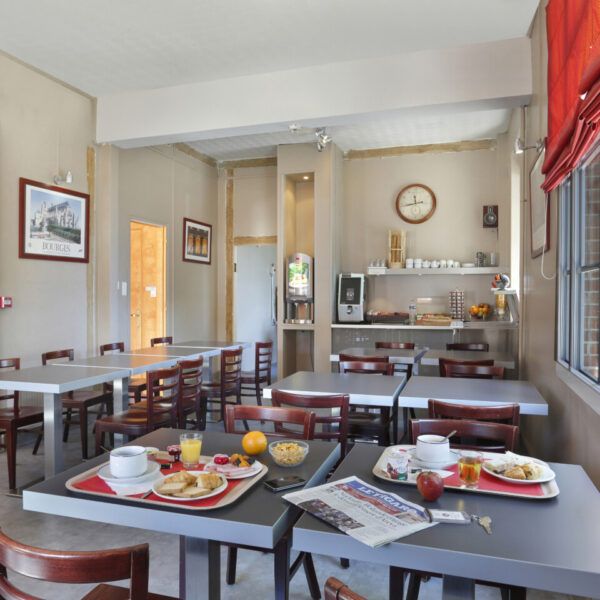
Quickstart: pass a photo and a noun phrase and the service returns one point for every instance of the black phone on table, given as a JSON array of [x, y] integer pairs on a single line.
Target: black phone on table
[[288, 482]]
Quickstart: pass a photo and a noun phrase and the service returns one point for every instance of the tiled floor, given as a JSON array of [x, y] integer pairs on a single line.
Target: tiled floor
[[253, 581]]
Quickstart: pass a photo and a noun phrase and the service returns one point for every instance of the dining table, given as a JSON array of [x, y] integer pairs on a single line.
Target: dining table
[[431, 357], [259, 518], [363, 389], [550, 544], [399, 356]]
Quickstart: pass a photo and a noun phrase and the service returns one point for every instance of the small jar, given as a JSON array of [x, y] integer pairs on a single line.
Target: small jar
[[397, 465]]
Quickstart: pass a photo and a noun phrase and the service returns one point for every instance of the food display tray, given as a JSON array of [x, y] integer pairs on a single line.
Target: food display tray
[[90, 484], [488, 484]]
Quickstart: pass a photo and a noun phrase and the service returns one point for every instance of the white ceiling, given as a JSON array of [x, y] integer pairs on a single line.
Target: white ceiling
[[409, 129], [107, 46]]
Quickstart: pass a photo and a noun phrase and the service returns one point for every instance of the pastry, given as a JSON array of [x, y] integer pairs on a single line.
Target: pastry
[[169, 489], [192, 492], [515, 472], [209, 481]]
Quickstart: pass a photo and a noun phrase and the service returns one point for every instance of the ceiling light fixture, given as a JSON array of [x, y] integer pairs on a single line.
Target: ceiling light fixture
[[68, 178], [294, 127], [322, 138], [305, 177], [520, 146]]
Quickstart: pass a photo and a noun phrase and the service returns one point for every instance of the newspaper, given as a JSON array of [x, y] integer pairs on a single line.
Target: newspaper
[[370, 515]]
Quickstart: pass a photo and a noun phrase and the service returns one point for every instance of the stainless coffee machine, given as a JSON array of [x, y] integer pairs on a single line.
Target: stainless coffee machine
[[351, 297], [299, 296]]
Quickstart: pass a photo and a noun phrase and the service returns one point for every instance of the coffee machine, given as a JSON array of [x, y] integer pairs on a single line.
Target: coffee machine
[[351, 297], [299, 296]]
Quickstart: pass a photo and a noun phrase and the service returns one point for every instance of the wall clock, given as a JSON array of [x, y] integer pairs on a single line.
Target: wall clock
[[415, 203]]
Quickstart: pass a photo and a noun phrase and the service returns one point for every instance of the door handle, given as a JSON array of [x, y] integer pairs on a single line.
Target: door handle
[[135, 314]]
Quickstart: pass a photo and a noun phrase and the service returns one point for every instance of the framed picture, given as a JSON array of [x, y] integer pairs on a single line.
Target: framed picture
[[54, 222], [539, 210], [197, 241]]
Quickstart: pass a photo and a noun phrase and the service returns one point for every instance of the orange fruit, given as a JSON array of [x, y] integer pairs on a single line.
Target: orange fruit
[[254, 442]]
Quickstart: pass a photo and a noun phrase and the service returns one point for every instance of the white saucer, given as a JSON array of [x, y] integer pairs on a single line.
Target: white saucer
[[452, 460], [104, 473]]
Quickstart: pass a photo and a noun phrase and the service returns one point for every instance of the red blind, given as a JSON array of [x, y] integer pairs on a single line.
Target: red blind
[[573, 28]]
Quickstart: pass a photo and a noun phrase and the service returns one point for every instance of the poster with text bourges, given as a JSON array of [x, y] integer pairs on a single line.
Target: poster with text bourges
[[53, 222]]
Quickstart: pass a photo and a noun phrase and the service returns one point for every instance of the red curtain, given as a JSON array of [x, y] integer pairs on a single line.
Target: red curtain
[[573, 28]]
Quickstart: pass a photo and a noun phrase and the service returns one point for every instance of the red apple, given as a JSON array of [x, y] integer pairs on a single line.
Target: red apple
[[430, 485]]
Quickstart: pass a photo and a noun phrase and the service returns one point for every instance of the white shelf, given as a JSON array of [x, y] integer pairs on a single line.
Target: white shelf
[[446, 271], [467, 325], [298, 326]]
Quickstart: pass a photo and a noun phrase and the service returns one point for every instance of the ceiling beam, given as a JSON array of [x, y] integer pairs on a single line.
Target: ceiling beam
[[422, 149], [245, 163], [480, 76], [187, 149]]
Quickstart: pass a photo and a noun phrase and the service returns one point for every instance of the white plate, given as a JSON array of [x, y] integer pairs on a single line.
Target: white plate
[[104, 473], [215, 492], [253, 469], [452, 460], [547, 473]]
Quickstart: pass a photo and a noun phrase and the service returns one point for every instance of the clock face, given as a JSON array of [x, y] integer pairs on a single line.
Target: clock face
[[415, 203]]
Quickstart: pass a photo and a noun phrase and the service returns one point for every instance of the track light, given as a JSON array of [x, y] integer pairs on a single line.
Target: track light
[[68, 178], [322, 139], [520, 146]]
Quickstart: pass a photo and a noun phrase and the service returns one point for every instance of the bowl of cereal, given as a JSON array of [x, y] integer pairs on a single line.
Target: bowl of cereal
[[288, 453]]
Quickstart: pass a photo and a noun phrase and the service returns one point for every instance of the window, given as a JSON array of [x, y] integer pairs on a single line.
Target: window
[[578, 312]]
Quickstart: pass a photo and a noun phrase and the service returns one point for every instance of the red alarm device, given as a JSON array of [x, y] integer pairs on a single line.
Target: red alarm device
[[5, 302]]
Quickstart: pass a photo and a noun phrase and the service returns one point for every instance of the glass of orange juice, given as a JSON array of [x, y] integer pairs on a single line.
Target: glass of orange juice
[[191, 447], [469, 467]]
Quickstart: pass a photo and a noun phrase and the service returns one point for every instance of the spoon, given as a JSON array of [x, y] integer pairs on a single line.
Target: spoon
[[449, 436]]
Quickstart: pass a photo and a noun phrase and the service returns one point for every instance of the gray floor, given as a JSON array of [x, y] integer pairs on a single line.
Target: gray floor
[[253, 567]]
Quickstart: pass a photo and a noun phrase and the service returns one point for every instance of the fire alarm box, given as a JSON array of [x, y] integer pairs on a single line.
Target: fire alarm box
[[5, 302]]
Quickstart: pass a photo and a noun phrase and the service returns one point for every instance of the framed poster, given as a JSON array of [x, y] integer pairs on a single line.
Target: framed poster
[[53, 222], [539, 209], [197, 241]]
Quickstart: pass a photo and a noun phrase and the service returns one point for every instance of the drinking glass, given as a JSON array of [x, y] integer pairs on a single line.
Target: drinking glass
[[469, 467], [191, 447]]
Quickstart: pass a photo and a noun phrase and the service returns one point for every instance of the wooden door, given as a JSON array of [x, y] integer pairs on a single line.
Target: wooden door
[[147, 283]]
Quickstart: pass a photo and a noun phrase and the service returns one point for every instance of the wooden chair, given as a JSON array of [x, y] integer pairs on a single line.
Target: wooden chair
[[136, 384], [14, 417], [362, 422], [228, 384], [394, 346], [191, 393], [77, 567], [251, 381], [505, 413], [333, 426], [473, 347], [474, 371], [479, 435], [336, 590], [443, 362], [277, 416], [80, 401], [158, 341], [159, 410]]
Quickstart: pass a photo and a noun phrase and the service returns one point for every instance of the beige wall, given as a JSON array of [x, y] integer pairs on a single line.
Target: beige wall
[[44, 127], [570, 433]]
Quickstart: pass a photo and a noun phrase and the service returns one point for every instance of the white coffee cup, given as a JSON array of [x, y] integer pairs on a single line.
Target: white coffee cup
[[435, 264], [418, 263], [426, 264], [128, 461], [443, 263], [410, 263], [432, 448]]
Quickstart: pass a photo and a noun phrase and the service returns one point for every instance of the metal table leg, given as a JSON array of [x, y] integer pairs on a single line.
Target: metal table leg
[[199, 569], [120, 402], [53, 452], [458, 588], [282, 569]]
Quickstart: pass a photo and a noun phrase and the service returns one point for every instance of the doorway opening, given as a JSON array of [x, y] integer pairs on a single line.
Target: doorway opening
[[147, 247]]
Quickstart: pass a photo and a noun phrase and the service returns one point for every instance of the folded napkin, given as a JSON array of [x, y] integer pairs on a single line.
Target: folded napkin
[[132, 489], [413, 473]]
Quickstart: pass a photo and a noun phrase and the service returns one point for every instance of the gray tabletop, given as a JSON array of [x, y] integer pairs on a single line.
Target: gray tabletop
[[501, 359], [58, 379], [400, 356], [135, 364], [551, 545], [211, 344], [160, 352], [478, 392], [363, 389], [259, 518]]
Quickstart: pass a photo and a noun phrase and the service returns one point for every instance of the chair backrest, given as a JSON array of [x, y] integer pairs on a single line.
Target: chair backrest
[[73, 567], [475, 347], [370, 368], [15, 365], [263, 360], [271, 414], [352, 358], [120, 346], [191, 380], [162, 385], [474, 371], [335, 427], [395, 345], [167, 340], [56, 354], [231, 368], [505, 413], [337, 590], [444, 362], [469, 434]]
